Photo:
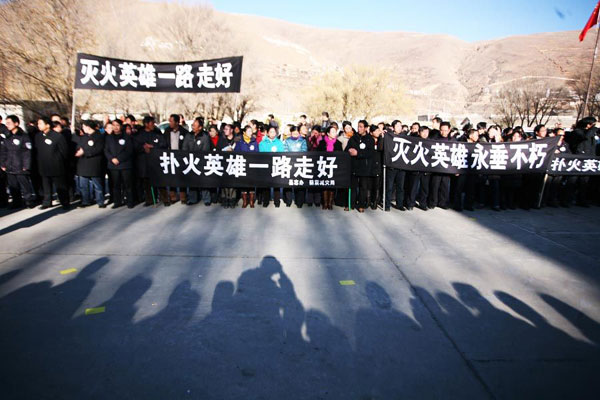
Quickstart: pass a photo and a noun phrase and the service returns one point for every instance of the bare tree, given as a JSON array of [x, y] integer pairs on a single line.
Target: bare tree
[[529, 104], [196, 32], [357, 91], [242, 106], [578, 87], [40, 39]]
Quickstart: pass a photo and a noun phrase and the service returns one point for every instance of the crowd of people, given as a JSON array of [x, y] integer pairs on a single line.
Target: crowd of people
[[106, 163]]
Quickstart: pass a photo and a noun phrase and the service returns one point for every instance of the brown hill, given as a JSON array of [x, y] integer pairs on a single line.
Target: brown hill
[[443, 74]]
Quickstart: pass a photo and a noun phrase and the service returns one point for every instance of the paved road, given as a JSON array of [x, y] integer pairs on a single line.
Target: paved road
[[206, 303]]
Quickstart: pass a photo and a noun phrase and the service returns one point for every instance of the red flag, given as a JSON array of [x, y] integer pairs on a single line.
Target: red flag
[[592, 21]]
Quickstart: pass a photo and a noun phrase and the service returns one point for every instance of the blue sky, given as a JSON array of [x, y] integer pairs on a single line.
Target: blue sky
[[469, 20]]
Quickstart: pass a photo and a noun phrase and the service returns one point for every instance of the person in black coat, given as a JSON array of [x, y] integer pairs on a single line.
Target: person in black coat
[[197, 141], [90, 164], [582, 140], [52, 157], [119, 152], [418, 186], [175, 136], [144, 141], [395, 178], [439, 190], [554, 193], [3, 129], [375, 189], [61, 125], [467, 182], [361, 148], [15, 160]]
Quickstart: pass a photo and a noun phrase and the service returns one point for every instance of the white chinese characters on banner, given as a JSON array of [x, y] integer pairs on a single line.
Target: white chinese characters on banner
[[219, 76], [129, 74], [574, 165], [458, 156], [294, 170]]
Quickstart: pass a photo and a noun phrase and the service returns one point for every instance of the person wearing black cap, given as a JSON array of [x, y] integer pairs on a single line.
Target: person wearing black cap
[[52, 156], [146, 140], [15, 160], [90, 160]]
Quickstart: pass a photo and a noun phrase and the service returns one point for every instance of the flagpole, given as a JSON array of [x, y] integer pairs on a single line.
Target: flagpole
[[587, 94]]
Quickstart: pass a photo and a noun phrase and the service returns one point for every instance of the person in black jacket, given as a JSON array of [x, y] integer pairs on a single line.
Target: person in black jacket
[[174, 136], [439, 190], [394, 178], [361, 148], [582, 140], [61, 125], [90, 164], [375, 189], [15, 160], [119, 151], [52, 157], [467, 182], [418, 187], [3, 129], [197, 141], [144, 141]]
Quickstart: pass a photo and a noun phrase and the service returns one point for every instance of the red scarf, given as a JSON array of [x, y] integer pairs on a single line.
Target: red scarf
[[214, 140], [330, 143]]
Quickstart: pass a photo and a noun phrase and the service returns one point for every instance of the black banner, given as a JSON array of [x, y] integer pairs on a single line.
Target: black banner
[[451, 157], [229, 169], [210, 76], [572, 164]]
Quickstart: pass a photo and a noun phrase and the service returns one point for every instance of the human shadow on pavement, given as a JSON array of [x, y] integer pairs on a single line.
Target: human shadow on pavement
[[259, 342], [33, 220]]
